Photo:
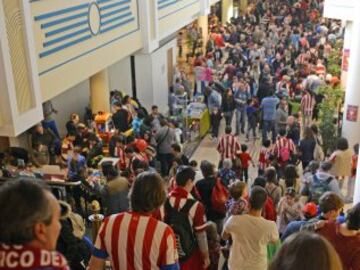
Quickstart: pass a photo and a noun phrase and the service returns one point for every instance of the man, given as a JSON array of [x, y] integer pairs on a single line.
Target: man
[[345, 238], [71, 125], [284, 148], [307, 107], [321, 182], [45, 136], [250, 235], [136, 240], [293, 129], [268, 107], [29, 227], [214, 104], [176, 151], [165, 137], [156, 118], [180, 201], [330, 205], [241, 96], [281, 115], [121, 118], [205, 188], [228, 145], [49, 122], [309, 211]]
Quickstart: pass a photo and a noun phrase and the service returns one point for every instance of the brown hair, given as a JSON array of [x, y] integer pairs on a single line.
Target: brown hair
[[236, 189], [330, 201], [306, 251], [147, 193], [308, 133]]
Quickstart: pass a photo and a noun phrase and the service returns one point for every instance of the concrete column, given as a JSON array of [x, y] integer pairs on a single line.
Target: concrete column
[[243, 6], [346, 50], [203, 22], [351, 121], [357, 185], [227, 10], [100, 92]]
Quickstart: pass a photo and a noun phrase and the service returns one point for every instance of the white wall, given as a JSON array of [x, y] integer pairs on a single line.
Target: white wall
[[120, 76], [73, 100], [152, 76], [160, 74]]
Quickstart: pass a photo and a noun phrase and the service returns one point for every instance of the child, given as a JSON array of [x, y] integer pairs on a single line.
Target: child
[[264, 157], [244, 158], [237, 205], [288, 209], [226, 174], [252, 121]]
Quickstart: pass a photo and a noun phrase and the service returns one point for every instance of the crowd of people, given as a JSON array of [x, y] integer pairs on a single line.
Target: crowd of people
[[164, 211]]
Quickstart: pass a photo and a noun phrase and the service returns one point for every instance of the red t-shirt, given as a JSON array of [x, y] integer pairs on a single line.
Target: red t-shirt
[[18, 257], [245, 159], [348, 247]]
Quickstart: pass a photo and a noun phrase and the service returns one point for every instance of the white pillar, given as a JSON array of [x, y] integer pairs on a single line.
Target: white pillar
[[99, 91], [227, 10], [346, 51], [357, 185], [351, 123]]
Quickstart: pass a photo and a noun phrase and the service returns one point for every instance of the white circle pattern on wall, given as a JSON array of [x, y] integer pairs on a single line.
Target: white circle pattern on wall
[[94, 18]]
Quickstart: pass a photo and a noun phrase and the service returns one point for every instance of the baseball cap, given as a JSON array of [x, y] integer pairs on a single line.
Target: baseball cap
[[310, 209]]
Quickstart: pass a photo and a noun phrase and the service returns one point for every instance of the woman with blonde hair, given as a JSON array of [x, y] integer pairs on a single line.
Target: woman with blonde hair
[[306, 251]]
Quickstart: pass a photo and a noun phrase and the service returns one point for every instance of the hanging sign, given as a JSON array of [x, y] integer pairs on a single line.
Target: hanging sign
[[352, 113]]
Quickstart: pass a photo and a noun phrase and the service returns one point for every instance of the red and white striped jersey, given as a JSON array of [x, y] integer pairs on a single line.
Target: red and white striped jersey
[[228, 146], [283, 142], [135, 241], [178, 198], [264, 158], [307, 104]]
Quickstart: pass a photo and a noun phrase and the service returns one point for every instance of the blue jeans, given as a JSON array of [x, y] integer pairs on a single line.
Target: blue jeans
[[268, 125], [228, 117], [240, 120]]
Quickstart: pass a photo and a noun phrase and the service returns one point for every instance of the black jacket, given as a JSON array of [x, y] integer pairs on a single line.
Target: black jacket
[[121, 120]]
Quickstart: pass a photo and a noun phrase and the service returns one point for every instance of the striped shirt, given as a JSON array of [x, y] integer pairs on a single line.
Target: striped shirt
[[134, 241], [264, 158], [178, 198], [228, 146], [307, 104], [283, 142]]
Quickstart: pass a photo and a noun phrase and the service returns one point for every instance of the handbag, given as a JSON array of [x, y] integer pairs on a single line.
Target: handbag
[[318, 152]]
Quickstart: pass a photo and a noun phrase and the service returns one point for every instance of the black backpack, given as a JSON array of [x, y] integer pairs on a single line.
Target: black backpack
[[179, 222]]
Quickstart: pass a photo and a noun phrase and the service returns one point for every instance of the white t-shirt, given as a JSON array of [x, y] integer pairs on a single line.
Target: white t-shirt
[[250, 236]]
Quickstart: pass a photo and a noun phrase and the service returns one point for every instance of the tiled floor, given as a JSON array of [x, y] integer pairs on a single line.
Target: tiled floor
[[207, 150]]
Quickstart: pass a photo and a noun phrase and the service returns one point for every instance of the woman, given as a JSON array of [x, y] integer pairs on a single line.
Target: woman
[[272, 188], [307, 147], [228, 106], [345, 238], [306, 251], [341, 160], [289, 209]]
